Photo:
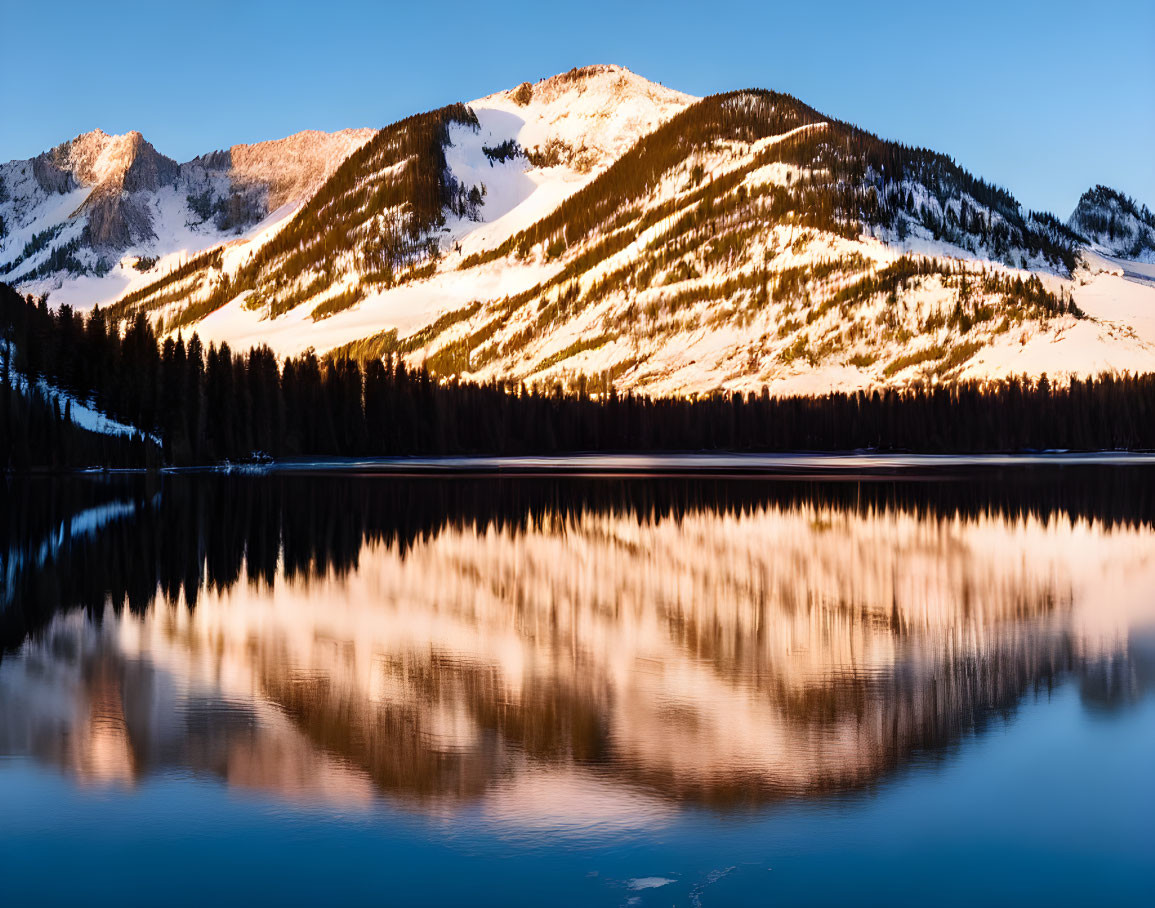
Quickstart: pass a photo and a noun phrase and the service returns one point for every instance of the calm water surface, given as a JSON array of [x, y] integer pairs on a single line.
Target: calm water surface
[[904, 689]]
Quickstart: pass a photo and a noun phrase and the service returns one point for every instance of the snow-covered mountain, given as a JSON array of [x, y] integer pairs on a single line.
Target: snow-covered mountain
[[85, 218], [598, 227], [1116, 224]]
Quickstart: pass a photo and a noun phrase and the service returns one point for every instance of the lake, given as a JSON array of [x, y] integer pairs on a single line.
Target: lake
[[891, 684]]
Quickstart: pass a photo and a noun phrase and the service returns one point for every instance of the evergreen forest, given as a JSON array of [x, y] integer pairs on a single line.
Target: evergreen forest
[[211, 404]]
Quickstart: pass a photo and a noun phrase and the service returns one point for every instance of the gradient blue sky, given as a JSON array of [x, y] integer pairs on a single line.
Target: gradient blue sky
[[1043, 98]]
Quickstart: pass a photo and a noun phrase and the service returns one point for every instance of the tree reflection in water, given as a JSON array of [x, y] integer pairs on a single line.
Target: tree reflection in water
[[526, 644]]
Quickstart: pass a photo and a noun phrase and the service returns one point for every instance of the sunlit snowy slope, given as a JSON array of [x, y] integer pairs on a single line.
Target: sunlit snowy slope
[[100, 214], [598, 228]]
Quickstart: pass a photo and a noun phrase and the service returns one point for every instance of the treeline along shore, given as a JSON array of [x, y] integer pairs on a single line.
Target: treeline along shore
[[191, 404]]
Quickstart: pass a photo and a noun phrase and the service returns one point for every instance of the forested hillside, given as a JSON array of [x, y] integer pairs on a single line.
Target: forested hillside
[[849, 179], [741, 217], [380, 207], [214, 404], [595, 230], [745, 240], [48, 364]]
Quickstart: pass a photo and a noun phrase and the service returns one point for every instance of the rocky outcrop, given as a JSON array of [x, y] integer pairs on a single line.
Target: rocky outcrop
[[120, 167], [290, 169], [116, 220], [224, 191], [50, 176], [97, 159], [1116, 223], [147, 169]]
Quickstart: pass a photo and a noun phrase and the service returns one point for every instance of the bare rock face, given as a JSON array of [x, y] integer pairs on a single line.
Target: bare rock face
[[289, 169], [147, 169], [221, 161], [121, 167], [116, 167], [96, 159], [116, 220], [238, 186], [51, 176], [116, 184]]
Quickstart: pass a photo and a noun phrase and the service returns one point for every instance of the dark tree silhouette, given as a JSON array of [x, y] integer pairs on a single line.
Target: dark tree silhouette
[[209, 406]]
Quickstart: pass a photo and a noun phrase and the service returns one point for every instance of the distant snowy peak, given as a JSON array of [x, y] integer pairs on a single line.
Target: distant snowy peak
[[126, 162], [585, 118], [1116, 223], [70, 209], [291, 168], [77, 209]]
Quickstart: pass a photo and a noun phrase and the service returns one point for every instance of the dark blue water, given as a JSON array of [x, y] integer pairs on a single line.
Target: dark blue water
[[375, 692]]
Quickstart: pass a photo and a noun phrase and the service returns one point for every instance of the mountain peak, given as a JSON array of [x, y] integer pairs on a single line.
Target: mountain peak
[[98, 159], [1116, 223], [605, 79], [592, 114]]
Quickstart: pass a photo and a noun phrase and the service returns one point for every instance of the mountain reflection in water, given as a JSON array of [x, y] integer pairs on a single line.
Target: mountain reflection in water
[[557, 652]]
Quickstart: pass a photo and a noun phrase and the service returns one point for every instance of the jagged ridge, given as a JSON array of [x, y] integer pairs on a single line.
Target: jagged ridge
[[1116, 223]]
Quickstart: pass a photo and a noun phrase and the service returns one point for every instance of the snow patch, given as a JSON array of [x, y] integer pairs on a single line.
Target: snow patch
[[648, 882], [83, 414]]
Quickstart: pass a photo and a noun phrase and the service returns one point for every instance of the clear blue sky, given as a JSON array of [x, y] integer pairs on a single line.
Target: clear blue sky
[[1043, 98]]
